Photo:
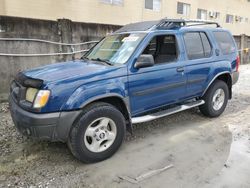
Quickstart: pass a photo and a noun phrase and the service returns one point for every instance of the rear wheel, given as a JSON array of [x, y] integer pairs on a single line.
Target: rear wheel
[[98, 133], [216, 99]]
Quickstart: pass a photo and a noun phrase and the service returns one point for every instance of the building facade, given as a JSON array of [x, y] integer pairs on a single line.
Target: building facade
[[231, 14]]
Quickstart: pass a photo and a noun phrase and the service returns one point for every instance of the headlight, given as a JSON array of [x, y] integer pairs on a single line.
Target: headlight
[[31, 94], [42, 98], [39, 98]]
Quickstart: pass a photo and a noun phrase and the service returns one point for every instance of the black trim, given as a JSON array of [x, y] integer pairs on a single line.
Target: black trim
[[27, 81], [194, 81], [158, 89]]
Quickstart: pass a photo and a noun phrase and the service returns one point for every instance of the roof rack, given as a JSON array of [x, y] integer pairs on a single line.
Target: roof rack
[[164, 24], [177, 23]]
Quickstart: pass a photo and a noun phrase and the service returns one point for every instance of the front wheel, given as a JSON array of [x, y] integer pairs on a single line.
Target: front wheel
[[98, 133], [216, 99]]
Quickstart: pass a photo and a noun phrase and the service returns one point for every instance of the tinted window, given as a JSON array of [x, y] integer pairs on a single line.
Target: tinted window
[[225, 42], [194, 45], [206, 45], [197, 45]]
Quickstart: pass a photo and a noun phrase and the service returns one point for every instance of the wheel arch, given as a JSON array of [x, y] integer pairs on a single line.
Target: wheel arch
[[122, 104], [223, 76]]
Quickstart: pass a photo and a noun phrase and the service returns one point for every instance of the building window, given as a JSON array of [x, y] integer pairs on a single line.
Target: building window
[[183, 8], [153, 5], [214, 15], [239, 19], [229, 18], [113, 2], [202, 14]]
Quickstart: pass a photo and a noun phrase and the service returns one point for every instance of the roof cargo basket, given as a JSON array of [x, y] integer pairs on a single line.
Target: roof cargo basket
[[177, 23], [164, 24]]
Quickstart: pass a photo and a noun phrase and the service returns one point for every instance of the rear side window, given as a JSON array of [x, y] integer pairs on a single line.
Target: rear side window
[[197, 45], [206, 45], [225, 42]]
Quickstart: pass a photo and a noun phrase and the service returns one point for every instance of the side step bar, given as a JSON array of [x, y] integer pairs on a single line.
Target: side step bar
[[167, 112]]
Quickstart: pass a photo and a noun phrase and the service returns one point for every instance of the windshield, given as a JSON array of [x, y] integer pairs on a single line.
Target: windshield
[[115, 49]]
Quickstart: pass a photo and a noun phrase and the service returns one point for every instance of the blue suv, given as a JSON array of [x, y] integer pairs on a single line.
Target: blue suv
[[139, 73]]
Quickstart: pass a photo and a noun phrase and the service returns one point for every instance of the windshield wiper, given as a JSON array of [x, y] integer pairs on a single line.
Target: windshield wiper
[[102, 60], [84, 57]]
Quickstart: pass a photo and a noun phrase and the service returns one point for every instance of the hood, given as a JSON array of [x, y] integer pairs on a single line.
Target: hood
[[67, 70]]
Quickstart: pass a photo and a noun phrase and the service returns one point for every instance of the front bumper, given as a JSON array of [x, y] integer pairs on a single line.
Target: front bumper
[[49, 126]]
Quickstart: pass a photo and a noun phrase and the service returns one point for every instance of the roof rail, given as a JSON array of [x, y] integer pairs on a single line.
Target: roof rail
[[178, 23]]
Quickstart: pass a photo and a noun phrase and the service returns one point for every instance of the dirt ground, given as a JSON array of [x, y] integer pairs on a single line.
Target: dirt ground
[[205, 152]]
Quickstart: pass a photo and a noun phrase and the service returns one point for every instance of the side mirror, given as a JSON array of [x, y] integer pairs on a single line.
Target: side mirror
[[145, 60]]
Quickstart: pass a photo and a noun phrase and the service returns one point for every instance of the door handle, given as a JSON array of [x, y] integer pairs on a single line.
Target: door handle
[[180, 69]]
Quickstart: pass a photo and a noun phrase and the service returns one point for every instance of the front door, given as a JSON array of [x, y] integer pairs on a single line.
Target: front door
[[159, 85]]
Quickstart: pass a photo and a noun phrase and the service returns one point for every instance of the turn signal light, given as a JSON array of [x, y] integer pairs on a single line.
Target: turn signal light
[[42, 98]]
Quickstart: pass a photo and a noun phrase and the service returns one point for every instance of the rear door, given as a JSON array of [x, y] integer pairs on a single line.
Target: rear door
[[199, 54]]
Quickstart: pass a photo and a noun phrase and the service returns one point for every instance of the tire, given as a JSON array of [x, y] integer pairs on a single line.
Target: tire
[[106, 126], [210, 109]]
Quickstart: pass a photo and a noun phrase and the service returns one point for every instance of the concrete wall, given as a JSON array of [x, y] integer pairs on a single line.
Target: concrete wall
[[59, 31], [94, 11]]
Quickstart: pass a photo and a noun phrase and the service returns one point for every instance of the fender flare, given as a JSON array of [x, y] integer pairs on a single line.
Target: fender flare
[[99, 97], [215, 77], [108, 95]]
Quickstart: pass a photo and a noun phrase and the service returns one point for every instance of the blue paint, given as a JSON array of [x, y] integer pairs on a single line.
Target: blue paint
[[76, 83]]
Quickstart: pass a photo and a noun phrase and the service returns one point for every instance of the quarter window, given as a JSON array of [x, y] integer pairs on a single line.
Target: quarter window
[[225, 42], [197, 45]]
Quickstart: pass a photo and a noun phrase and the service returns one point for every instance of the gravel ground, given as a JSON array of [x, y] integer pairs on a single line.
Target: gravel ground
[[205, 152]]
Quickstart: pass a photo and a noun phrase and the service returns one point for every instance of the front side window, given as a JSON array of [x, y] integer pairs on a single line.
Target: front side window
[[153, 5], [225, 42], [116, 49], [197, 45], [163, 48]]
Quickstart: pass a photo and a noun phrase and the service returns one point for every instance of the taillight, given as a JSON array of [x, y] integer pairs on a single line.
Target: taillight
[[237, 63]]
